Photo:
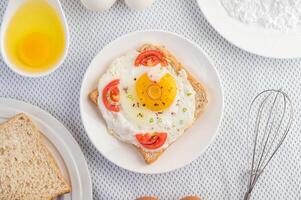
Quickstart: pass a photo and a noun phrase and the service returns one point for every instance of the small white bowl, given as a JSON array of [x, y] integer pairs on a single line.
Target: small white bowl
[[9, 13]]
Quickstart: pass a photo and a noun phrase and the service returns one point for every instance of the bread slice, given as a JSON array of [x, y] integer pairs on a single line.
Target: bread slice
[[201, 95], [27, 169]]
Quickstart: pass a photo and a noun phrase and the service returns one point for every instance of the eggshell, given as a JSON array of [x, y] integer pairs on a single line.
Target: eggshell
[[98, 5], [147, 198], [191, 198], [139, 4]]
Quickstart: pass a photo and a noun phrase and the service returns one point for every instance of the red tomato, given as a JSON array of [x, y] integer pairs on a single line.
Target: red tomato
[[151, 140], [114, 94], [150, 58], [110, 96]]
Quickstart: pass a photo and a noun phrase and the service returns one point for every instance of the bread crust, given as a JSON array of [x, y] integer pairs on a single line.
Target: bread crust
[[201, 97]]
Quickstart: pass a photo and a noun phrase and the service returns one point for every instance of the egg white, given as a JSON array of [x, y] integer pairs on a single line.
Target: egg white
[[133, 118]]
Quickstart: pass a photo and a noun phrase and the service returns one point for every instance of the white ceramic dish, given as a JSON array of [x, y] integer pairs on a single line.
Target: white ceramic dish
[[60, 142], [192, 143], [12, 7], [252, 38]]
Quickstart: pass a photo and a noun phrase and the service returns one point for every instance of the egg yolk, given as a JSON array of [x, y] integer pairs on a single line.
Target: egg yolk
[[156, 96], [35, 49]]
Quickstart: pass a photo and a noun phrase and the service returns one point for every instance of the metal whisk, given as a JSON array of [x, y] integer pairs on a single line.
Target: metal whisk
[[269, 121]]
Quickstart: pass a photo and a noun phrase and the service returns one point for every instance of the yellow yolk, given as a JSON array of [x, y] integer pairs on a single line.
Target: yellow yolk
[[156, 96], [35, 37], [34, 50], [154, 91]]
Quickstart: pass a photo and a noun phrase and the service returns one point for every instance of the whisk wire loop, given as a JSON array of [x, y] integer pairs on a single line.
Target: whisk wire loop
[[274, 116]]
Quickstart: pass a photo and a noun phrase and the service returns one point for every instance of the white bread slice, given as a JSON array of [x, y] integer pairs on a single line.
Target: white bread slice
[[201, 95], [27, 169]]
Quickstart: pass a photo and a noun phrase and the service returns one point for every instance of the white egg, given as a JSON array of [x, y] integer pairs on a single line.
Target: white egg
[[139, 4], [98, 5]]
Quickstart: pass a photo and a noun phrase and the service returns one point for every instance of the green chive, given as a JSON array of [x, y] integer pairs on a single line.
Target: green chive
[[130, 96], [188, 94], [184, 109], [151, 120]]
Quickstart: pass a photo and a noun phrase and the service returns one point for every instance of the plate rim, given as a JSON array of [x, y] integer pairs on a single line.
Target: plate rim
[[238, 44], [37, 112], [216, 133]]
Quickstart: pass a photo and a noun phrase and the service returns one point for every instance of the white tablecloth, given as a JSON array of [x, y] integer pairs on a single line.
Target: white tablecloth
[[220, 173]]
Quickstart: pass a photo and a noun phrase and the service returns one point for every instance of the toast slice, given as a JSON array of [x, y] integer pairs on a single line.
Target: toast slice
[[27, 169], [201, 95]]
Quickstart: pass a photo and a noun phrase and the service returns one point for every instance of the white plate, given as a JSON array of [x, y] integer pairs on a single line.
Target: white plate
[[192, 143], [252, 38], [61, 144]]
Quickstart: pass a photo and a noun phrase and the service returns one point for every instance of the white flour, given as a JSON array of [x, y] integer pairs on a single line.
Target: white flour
[[275, 14]]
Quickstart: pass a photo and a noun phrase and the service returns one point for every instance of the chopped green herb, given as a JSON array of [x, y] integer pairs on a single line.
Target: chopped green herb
[[151, 120], [184, 109], [181, 121], [188, 94], [129, 96]]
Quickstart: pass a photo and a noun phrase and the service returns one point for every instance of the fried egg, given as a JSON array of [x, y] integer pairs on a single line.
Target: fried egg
[[151, 99]]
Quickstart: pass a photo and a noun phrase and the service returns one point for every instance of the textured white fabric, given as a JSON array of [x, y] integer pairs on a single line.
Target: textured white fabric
[[220, 173]]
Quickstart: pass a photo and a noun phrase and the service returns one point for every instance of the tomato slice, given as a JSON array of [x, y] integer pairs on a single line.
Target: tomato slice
[[150, 58], [110, 96], [114, 94], [152, 140]]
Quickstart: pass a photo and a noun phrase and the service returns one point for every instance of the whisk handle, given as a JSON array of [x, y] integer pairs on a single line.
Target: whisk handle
[[247, 196]]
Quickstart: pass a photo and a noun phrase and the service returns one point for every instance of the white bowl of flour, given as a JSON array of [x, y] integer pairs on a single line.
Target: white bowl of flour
[[270, 28], [282, 15]]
